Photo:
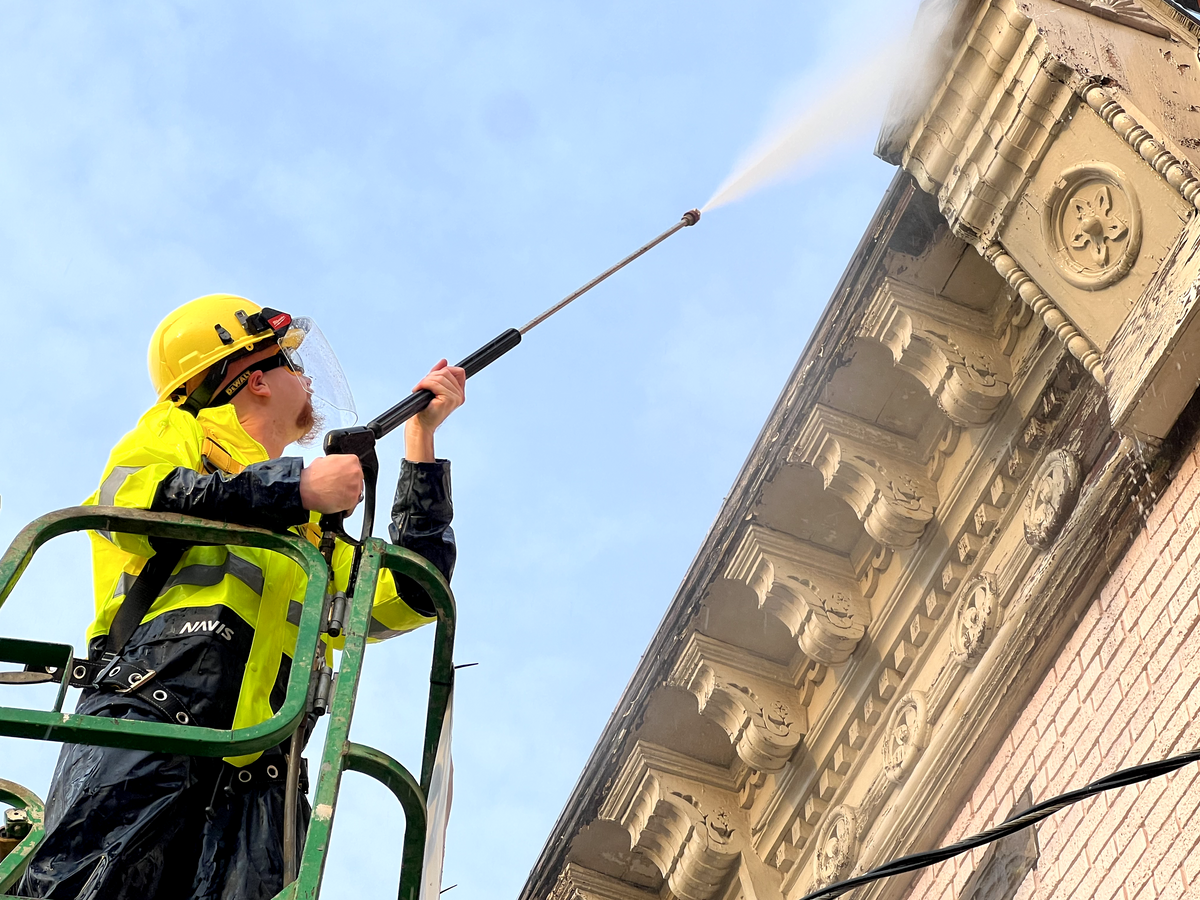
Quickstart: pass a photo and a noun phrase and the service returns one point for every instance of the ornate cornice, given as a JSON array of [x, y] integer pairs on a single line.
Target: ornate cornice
[[876, 471], [1138, 137], [935, 495], [991, 121], [1037, 300], [1124, 12], [812, 592]]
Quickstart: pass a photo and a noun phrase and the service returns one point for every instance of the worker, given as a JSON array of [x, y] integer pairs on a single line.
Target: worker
[[236, 384]]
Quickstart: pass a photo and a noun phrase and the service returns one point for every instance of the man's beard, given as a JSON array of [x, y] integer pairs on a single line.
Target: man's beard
[[311, 423]]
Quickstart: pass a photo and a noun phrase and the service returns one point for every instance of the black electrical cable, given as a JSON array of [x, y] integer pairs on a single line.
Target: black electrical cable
[[1012, 824]]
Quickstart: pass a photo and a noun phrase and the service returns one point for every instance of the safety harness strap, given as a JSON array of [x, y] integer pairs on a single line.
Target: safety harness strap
[[217, 459], [128, 678], [143, 593]]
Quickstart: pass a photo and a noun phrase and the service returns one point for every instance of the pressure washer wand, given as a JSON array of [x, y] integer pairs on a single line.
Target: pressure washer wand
[[360, 440], [502, 343]]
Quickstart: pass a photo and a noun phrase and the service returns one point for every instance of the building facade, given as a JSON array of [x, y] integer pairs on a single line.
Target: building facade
[[957, 574]]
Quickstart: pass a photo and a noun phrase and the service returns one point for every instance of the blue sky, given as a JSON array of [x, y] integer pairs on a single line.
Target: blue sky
[[418, 178]]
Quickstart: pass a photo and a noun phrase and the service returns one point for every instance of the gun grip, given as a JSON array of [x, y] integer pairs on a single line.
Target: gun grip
[[359, 440]]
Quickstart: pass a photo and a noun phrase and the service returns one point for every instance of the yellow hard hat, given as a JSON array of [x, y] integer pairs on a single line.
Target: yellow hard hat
[[202, 333]]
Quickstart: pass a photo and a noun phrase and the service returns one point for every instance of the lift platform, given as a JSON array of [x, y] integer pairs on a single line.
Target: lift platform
[[23, 825]]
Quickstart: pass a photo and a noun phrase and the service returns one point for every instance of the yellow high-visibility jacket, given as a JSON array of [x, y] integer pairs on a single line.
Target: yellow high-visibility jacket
[[227, 608]]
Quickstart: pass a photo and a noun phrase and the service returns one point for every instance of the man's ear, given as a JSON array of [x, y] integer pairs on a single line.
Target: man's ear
[[257, 386]]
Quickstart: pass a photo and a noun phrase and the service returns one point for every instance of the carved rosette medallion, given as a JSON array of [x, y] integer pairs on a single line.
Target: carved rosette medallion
[[837, 846], [907, 736], [1092, 224], [974, 621], [1051, 498]]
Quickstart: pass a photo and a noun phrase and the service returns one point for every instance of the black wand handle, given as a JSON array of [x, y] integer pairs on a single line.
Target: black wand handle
[[360, 440], [414, 403]]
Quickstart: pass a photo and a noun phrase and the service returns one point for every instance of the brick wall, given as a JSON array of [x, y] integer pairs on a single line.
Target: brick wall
[[1125, 690]]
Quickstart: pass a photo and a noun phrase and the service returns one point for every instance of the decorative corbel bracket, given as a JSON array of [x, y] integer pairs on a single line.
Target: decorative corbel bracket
[[876, 471], [757, 711], [944, 346], [683, 816], [812, 591]]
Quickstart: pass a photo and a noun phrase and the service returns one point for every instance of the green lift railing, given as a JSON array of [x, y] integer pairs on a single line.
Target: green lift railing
[[339, 754]]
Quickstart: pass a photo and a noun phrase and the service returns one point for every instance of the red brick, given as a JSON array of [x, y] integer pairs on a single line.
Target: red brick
[[1161, 668], [1140, 560], [1044, 749], [961, 877], [1156, 849], [1160, 516], [1131, 823], [1112, 599], [1146, 892], [1175, 547], [1072, 737], [1185, 809], [1066, 844], [1089, 678], [1049, 683], [1139, 599], [1162, 565], [1023, 749], [1182, 605], [1128, 857], [1173, 730], [1115, 742], [1146, 711], [1189, 651], [1101, 846], [1161, 819], [1103, 709], [1088, 767], [1068, 714], [1191, 868], [1094, 812], [1051, 876], [1116, 662], [1153, 621], [1109, 632], [1092, 889], [1135, 685], [1136, 548], [1193, 702], [1174, 580], [1169, 887], [1184, 490], [1074, 876]]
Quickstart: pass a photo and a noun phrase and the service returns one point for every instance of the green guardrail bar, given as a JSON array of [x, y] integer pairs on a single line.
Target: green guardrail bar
[[27, 804], [415, 575]]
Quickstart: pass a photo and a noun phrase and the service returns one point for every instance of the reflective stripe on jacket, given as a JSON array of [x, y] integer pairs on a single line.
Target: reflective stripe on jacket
[[258, 586]]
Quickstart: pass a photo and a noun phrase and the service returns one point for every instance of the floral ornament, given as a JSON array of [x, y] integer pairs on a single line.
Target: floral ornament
[[1051, 498], [907, 736], [1092, 223], [838, 846], [974, 621], [1096, 225]]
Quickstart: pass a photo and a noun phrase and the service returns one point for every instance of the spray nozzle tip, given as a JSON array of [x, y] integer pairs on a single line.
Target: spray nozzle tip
[[692, 216]]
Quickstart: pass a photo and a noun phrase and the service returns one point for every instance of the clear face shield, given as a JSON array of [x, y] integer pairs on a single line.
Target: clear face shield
[[308, 354]]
